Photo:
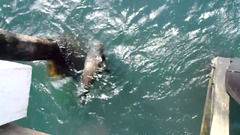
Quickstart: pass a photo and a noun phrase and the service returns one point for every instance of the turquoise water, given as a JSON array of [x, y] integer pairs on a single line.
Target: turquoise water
[[158, 52]]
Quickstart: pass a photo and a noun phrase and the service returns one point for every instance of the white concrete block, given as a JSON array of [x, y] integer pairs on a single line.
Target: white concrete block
[[15, 82]]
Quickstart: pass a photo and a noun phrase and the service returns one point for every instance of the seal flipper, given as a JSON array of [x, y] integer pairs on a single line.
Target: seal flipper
[[53, 70]]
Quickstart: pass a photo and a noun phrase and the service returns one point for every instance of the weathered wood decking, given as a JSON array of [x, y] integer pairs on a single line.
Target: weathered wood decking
[[216, 112], [17, 130]]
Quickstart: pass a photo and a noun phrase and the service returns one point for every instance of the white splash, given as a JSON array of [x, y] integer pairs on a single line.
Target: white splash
[[157, 12], [206, 15]]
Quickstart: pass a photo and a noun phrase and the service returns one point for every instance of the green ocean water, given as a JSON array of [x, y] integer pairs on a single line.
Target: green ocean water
[[159, 54]]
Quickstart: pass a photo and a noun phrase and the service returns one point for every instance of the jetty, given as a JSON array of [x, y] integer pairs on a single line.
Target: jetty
[[224, 82], [63, 58], [15, 85], [15, 78]]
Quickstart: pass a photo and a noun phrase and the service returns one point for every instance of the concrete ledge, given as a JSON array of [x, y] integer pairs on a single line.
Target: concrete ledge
[[15, 85]]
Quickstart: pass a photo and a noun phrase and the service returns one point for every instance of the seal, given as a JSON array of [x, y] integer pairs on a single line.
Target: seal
[[95, 63]]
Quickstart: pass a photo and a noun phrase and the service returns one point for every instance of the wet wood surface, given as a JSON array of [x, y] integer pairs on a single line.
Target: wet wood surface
[[216, 111], [206, 120]]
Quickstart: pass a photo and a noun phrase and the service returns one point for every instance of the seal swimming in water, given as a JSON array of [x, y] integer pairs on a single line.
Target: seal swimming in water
[[95, 63]]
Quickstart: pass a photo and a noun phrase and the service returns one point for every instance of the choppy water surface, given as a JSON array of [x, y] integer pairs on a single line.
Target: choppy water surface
[[158, 53]]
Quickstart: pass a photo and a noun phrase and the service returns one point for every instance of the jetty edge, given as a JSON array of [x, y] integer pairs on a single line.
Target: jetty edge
[[215, 119]]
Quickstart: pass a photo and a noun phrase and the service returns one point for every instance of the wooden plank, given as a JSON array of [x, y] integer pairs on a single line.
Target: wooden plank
[[27, 48], [66, 58], [207, 114], [220, 104], [17, 130]]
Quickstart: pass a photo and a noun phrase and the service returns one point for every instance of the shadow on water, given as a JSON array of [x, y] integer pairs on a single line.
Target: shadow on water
[[234, 117]]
